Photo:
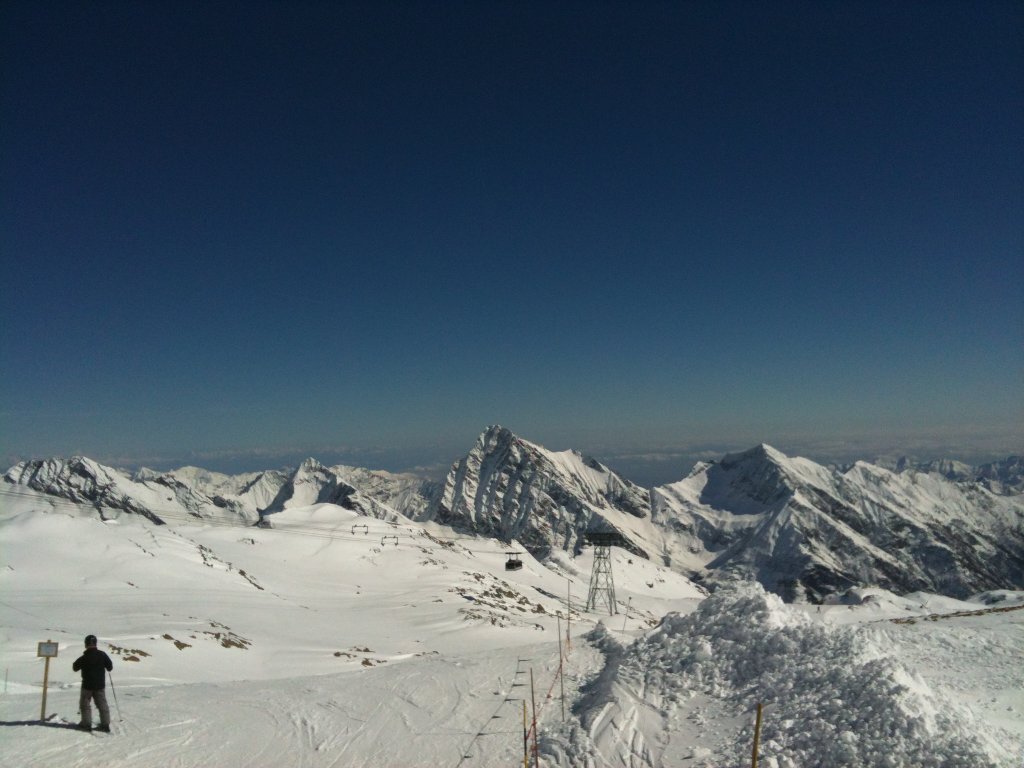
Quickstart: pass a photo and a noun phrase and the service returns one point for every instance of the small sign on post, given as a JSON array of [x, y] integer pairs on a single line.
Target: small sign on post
[[47, 650]]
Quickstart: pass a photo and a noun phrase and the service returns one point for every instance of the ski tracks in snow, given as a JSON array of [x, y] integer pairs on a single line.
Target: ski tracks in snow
[[502, 711]]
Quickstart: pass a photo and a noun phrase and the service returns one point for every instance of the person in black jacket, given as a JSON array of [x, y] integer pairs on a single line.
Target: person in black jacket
[[93, 663]]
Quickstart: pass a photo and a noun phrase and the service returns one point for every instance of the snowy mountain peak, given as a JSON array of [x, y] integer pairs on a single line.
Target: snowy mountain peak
[[805, 531], [83, 481], [510, 488], [762, 475], [497, 438], [495, 432], [761, 452], [1005, 477], [309, 466]]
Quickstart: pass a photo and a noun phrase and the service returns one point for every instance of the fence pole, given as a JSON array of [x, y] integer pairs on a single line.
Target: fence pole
[[533, 699], [561, 679], [757, 736], [526, 739], [568, 617]]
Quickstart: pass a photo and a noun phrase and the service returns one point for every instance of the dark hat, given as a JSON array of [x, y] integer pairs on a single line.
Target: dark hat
[[90, 640]]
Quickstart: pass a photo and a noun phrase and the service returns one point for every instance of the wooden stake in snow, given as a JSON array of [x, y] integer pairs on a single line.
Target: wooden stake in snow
[[533, 699], [568, 617], [526, 739], [757, 736], [47, 650], [561, 679]]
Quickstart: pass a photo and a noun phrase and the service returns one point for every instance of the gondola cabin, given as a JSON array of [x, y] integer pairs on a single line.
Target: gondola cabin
[[513, 563]]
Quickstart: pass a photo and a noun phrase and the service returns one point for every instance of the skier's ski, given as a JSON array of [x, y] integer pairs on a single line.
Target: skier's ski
[[63, 722]]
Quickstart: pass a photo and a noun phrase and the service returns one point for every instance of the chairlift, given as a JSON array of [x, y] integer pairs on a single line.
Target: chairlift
[[513, 563]]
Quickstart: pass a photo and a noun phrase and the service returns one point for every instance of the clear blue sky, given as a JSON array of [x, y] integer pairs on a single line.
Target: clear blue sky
[[235, 232]]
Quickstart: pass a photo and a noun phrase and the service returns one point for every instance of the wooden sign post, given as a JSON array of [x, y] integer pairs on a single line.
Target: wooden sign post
[[47, 650]]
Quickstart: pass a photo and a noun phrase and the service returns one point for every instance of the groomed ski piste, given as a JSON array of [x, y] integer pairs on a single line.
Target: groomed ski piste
[[337, 640]]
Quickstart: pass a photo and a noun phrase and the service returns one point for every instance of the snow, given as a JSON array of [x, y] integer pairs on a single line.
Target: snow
[[833, 695], [321, 642], [808, 532]]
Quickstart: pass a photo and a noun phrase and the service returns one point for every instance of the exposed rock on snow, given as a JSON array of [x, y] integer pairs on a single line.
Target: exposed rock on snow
[[1003, 477], [195, 492], [82, 480]]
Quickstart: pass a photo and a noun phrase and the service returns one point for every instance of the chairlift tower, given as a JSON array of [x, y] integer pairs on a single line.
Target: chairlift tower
[[602, 584]]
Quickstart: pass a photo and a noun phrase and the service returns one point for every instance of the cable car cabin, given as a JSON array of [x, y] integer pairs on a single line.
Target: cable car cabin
[[513, 563]]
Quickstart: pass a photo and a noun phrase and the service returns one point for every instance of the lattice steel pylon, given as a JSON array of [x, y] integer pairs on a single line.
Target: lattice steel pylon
[[602, 584]]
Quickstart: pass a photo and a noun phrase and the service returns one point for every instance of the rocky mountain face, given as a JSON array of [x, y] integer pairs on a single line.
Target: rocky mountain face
[[83, 481], [249, 498], [509, 488], [805, 531], [1005, 477]]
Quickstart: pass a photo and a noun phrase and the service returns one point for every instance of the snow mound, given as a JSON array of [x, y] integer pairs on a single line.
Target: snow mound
[[1000, 597], [831, 695]]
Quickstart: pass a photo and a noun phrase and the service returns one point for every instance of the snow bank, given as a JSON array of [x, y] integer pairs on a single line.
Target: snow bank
[[831, 695]]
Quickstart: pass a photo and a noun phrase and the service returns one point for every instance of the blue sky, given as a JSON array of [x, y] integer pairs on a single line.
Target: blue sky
[[239, 233]]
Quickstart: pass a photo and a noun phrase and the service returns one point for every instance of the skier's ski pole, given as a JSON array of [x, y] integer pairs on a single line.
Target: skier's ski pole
[[114, 691]]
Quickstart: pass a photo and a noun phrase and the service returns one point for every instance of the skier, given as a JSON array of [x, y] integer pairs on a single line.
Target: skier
[[93, 662]]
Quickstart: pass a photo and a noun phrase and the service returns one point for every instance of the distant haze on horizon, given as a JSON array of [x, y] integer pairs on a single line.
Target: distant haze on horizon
[[238, 234], [657, 465]]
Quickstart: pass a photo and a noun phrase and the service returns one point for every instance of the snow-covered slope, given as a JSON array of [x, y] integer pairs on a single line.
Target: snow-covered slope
[[832, 694], [806, 531], [339, 639], [256, 491]]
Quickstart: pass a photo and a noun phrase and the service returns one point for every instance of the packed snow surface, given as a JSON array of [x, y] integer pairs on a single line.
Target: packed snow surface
[[337, 639]]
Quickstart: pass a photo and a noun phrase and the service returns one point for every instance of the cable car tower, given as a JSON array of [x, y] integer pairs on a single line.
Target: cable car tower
[[602, 585]]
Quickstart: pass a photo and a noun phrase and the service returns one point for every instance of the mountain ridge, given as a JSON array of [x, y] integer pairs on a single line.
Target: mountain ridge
[[805, 531]]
